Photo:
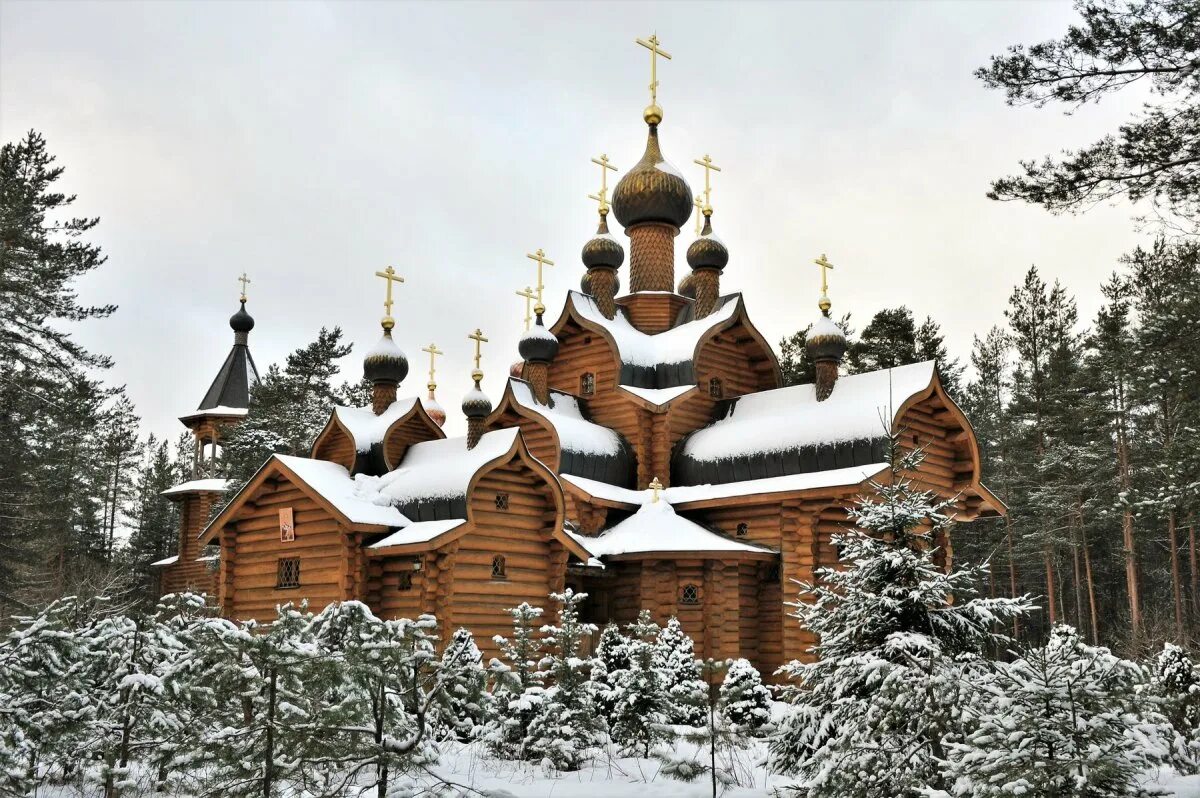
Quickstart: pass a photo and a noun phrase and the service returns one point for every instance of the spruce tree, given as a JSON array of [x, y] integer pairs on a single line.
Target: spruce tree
[[517, 689], [464, 703], [745, 702], [675, 658], [638, 694]]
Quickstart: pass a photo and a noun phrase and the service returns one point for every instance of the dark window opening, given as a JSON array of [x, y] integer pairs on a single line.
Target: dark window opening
[[742, 529], [287, 573], [714, 388], [501, 501], [587, 384], [689, 595], [498, 569], [404, 580]]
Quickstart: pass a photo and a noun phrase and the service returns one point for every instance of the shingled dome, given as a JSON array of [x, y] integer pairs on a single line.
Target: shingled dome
[[652, 191], [384, 362], [538, 345], [708, 251], [603, 249]]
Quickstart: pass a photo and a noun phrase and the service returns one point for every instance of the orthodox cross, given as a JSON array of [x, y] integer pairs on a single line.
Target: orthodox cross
[[245, 281], [433, 351], [478, 338], [389, 274], [709, 167], [825, 265], [698, 204], [529, 297], [651, 44], [655, 486], [602, 197], [542, 260]]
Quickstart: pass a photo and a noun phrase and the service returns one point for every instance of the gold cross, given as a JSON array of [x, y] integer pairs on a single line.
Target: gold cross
[[709, 167], [656, 486], [433, 351], [698, 204], [529, 297], [825, 265], [478, 338], [602, 197], [651, 44], [390, 275], [542, 260], [245, 281]]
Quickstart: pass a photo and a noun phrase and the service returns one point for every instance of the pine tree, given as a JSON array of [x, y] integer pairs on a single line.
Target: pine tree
[[675, 658], [745, 702], [517, 689], [464, 689], [889, 340], [155, 518], [638, 696], [1175, 682], [612, 655], [872, 715]]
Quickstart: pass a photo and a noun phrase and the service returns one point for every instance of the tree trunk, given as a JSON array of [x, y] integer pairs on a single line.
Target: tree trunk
[[1176, 586], [1127, 539], [1012, 574], [381, 781], [1051, 592], [269, 752], [1076, 578], [1091, 586], [1195, 576]]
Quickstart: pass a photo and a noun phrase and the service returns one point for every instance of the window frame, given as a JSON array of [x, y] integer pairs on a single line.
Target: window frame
[[282, 567], [689, 595], [499, 567]]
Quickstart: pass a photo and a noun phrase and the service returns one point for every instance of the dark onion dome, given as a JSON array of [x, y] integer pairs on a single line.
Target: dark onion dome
[[476, 404], [435, 410], [687, 286], [652, 191], [603, 250], [242, 321], [384, 362], [538, 344], [585, 283], [825, 340], [707, 251]]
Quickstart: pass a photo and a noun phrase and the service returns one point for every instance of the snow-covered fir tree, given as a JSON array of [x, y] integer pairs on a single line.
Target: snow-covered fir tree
[[464, 701], [516, 683], [1063, 719], [638, 697], [612, 655], [565, 727], [1175, 682], [675, 658], [872, 715], [745, 702]]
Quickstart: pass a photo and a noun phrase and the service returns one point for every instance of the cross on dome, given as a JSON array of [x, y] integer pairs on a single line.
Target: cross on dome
[[602, 197], [389, 274], [529, 295], [245, 281], [823, 303], [653, 114], [709, 168], [542, 260]]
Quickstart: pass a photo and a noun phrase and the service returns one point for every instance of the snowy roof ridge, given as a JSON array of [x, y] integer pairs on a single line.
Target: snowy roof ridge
[[575, 432], [198, 485], [861, 407], [418, 532], [334, 483], [368, 429], [656, 527]]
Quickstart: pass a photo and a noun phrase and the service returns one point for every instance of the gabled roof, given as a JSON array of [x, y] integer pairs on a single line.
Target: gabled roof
[[787, 431], [657, 529], [369, 432], [231, 388], [661, 360]]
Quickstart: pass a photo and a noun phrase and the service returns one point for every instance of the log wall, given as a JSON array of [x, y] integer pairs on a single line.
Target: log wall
[[186, 574]]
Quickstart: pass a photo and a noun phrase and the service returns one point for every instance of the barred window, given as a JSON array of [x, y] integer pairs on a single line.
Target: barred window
[[498, 569], [587, 384], [501, 501], [404, 580], [287, 572], [690, 594], [714, 388], [742, 529]]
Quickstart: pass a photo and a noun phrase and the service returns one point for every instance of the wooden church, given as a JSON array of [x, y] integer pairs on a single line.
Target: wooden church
[[644, 451]]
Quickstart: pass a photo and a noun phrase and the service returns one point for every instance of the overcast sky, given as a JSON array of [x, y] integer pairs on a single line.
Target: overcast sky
[[311, 144]]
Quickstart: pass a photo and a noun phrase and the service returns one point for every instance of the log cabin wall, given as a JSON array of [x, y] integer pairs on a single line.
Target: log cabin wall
[[185, 574], [724, 358], [404, 433], [538, 438], [625, 600], [395, 587], [252, 552], [652, 312], [336, 447]]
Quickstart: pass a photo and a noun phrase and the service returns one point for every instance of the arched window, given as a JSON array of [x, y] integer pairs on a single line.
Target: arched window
[[714, 388], [587, 384], [742, 529], [689, 594], [501, 501], [498, 568]]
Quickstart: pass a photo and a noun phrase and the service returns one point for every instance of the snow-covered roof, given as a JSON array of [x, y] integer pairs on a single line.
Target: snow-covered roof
[[165, 562], [575, 433], [368, 429], [437, 469], [656, 527], [539, 332], [657, 396], [861, 407], [418, 532], [334, 483], [199, 485], [219, 410]]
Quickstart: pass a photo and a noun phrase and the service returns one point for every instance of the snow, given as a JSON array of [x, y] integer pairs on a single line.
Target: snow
[[436, 469], [419, 532], [575, 433], [333, 482], [825, 327], [384, 347], [476, 396], [166, 562], [669, 168], [365, 427], [538, 332], [862, 407], [658, 396], [219, 410], [684, 494], [636, 348], [198, 485], [656, 527]]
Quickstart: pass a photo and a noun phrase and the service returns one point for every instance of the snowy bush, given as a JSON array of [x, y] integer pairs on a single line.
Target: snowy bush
[[637, 694], [1175, 683], [745, 703], [464, 703], [675, 658]]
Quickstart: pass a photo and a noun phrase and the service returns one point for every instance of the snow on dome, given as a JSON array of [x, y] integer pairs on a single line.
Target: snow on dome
[[668, 167], [676, 345], [825, 327], [384, 347], [862, 407], [365, 427], [536, 332], [434, 409], [575, 433], [657, 527], [336, 485], [438, 469]]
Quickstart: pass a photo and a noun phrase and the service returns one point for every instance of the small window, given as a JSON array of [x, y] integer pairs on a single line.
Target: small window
[[689, 595], [742, 529], [714, 388], [498, 568], [587, 339], [501, 501], [587, 384], [404, 580], [773, 572], [287, 573]]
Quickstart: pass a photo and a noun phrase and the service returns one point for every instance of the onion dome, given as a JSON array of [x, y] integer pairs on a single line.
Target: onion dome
[[687, 286], [241, 322], [653, 190], [434, 410], [585, 283], [603, 250], [707, 251], [516, 369], [538, 344], [384, 362], [476, 404], [825, 340]]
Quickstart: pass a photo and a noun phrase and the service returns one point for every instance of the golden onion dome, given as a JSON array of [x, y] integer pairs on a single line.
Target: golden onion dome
[[707, 251], [603, 249], [653, 190]]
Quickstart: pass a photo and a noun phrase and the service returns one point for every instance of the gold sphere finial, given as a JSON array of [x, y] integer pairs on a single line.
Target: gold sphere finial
[[653, 114], [387, 322]]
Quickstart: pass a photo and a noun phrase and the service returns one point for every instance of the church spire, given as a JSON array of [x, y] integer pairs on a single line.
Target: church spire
[[825, 343], [475, 405], [603, 254], [707, 255], [432, 407], [385, 365]]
